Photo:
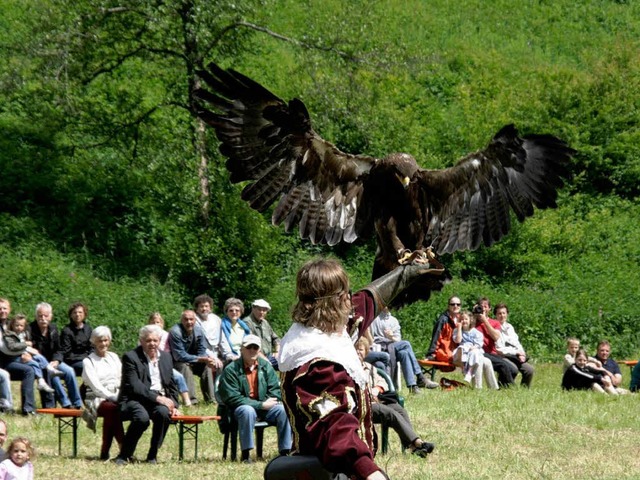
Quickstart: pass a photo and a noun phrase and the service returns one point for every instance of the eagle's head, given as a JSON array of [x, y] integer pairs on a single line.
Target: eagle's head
[[403, 165]]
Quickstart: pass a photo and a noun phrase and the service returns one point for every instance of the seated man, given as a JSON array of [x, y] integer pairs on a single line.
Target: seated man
[[46, 340], [611, 366], [251, 389], [148, 393], [509, 345], [385, 330], [189, 351], [260, 326], [490, 328], [450, 317], [392, 415], [211, 325]]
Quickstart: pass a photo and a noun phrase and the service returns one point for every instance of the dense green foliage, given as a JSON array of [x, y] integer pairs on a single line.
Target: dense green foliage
[[104, 169]]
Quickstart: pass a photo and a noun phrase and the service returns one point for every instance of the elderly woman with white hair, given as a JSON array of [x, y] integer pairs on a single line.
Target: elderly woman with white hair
[[102, 371], [233, 327]]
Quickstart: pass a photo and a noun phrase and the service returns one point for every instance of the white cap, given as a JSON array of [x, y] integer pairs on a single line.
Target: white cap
[[261, 303], [251, 340]]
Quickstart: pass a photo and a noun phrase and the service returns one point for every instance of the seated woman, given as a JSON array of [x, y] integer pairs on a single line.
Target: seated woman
[[101, 373], [469, 354], [392, 415], [234, 328], [581, 376], [75, 338]]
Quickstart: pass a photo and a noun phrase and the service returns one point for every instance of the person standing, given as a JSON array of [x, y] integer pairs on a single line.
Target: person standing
[[260, 326], [250, 387], [147, 393]]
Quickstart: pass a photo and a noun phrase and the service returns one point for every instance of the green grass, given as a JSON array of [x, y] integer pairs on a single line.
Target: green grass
[[541, 433]]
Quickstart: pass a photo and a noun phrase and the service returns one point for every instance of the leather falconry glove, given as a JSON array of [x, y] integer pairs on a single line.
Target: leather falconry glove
[[389, 286]]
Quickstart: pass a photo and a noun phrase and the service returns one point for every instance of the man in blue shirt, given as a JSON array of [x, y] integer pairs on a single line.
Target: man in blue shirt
[[189, 351]]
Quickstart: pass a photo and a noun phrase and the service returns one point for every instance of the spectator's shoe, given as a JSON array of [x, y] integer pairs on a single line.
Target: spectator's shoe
[[415, 389], [120, 461], [248, 461], [152, 461], [431, 357], [44, 386], [425, 449], [31, 414], [427, 383], [54, 371]]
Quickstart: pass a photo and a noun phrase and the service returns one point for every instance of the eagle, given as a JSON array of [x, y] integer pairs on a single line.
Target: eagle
[[332, 196]]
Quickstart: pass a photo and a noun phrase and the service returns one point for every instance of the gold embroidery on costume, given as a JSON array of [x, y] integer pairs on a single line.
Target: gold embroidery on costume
[[292, 420], [352, 403], [324, 404]]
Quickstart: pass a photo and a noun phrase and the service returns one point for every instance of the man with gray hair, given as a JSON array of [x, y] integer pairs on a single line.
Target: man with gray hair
[[148, 393], [46, 339], [259, 325], [189, 351]]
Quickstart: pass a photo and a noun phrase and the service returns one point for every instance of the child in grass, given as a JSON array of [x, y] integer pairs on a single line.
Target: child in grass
[[583, 376], [469, 353], [17, 465], [573, 345], [18, 340]]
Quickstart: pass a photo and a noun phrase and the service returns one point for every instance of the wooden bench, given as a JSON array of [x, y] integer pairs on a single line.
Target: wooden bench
[[67, 424], [187, 426], [430, 366], [628, 363]]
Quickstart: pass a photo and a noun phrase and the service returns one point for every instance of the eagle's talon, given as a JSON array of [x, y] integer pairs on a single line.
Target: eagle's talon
[[405, 257], [421, 258]]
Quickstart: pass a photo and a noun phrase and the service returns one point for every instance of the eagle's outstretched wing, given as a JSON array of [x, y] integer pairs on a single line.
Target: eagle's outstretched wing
[[470, 203], [273, 145]]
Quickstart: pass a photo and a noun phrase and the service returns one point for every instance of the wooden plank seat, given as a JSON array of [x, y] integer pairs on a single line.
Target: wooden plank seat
[[430, 366], [187, 427]]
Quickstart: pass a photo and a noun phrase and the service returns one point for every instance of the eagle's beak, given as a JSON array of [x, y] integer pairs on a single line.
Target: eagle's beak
[[404, 181]]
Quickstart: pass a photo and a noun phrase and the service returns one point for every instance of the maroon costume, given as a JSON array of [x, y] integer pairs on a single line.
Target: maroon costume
[[342, 434]]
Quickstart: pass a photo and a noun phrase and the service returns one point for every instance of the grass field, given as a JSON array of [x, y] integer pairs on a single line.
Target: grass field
[[542, 433]]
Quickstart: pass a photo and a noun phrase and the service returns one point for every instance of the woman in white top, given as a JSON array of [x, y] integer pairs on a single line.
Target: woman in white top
[[102, 371]]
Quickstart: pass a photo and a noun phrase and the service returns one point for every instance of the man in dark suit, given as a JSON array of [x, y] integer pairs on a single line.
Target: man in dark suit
[[148, 393]]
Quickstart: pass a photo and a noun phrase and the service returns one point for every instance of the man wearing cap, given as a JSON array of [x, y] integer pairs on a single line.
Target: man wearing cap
[[250, 389], [259, 326]]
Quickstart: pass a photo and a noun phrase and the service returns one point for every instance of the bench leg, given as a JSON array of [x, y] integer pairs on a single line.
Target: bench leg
[[64, 424]]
